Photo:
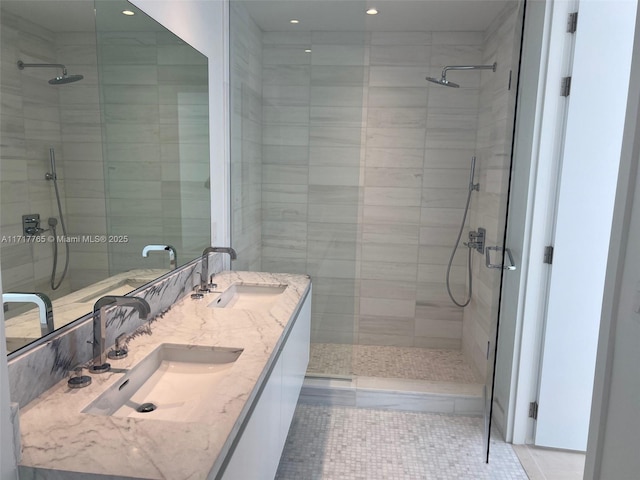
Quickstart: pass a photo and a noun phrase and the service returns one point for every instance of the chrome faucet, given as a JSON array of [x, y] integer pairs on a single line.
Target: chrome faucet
[[100, 364], [41, 300], [205, 281], [173, 254]]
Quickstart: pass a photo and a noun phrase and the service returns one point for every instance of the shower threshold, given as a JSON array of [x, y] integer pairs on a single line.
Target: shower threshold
[[396, 378], [393, 394]]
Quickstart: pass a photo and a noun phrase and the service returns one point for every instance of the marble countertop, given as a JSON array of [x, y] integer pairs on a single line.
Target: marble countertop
[[68, 308], [56, 436]]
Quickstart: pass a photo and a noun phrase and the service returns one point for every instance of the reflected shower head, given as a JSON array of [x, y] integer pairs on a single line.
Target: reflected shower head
[[65, 79], [59, 80], [443, 80]]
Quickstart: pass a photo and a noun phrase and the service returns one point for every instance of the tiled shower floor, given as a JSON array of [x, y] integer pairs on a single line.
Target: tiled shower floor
[[390, 362], [345, 443]]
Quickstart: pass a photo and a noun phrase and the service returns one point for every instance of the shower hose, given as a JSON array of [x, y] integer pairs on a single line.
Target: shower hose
[[453, 253], [52, 224]]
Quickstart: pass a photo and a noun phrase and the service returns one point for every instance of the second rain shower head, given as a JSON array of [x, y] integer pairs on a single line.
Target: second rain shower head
[[447, 83], [58, 80]]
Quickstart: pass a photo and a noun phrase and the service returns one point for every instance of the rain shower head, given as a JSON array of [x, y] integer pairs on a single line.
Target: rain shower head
[[443, 80], [59, 80]]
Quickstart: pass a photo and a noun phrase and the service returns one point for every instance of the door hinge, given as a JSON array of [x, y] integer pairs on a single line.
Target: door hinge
[[565, 87], [488, 349], [510, 74], [572, 23], [548, 254], [533, 410]]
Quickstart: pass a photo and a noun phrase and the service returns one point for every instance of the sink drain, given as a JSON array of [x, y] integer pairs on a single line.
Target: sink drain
[[146, 408]]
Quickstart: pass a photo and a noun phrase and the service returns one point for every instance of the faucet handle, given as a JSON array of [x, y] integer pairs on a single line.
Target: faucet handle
[[79, 380], [120, 351]]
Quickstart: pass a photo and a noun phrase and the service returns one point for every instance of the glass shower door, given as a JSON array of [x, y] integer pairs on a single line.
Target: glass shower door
[[494, 150], [297, 124]]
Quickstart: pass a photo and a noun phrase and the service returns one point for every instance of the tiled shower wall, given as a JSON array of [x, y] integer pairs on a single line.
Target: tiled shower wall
[[83, 161], [35, 117], [246, 139], [370, 163], [156, 146], [365, 171], [495, 131]]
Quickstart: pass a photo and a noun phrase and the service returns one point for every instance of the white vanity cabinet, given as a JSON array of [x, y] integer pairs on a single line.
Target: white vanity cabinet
[[257, 453]]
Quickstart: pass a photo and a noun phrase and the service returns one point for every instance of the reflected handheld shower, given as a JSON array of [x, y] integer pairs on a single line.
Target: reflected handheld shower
[[53, 223]]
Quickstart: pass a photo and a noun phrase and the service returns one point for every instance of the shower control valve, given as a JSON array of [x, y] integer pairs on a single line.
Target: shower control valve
[[477, 239]]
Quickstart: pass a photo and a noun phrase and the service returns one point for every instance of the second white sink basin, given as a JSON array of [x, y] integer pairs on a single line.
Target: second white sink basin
[[248, 297], [172, 383]]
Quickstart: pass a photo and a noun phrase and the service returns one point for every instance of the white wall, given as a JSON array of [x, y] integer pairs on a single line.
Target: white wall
[[204, 25], [614, 432]]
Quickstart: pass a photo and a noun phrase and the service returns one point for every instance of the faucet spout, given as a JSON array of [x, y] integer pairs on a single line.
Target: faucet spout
[[41, 300], [204, 273], [100, 364], [173, 254]]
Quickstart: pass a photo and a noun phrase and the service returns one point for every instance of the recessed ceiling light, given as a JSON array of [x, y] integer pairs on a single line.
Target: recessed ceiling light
[[308, 50], [128, 12], [294, 21], [372, 11]]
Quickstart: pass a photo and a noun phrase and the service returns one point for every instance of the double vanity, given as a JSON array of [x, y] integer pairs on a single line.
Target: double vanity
[[205, 390]]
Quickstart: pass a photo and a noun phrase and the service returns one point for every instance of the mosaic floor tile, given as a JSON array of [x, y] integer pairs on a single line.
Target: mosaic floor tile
[[343, 443], [391, 362]]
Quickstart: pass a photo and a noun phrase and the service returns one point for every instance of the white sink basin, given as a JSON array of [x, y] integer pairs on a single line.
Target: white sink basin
[[172, 383], [248, 297]]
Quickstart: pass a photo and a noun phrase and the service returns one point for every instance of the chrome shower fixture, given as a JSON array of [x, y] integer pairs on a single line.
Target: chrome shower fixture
[[443, 79], [59, 80]]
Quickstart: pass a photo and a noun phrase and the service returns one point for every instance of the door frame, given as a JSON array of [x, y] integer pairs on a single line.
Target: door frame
[[538, 141], [532, 213]]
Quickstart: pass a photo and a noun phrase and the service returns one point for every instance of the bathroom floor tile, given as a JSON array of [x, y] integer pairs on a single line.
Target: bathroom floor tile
[[344, 443]]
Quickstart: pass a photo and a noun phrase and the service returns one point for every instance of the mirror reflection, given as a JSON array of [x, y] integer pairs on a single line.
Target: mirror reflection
[[104, 158]]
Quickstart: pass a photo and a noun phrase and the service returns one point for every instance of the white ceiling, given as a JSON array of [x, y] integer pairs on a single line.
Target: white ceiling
[[274, 15], [394, 15]]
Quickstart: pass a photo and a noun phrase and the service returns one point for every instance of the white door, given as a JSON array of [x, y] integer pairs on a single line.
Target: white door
[[595, 119]]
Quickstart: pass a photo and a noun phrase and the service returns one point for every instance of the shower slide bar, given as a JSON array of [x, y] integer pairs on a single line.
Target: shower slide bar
[[512, 264]]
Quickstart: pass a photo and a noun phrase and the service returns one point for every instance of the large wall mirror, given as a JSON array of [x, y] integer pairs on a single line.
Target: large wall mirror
[[104, 151]]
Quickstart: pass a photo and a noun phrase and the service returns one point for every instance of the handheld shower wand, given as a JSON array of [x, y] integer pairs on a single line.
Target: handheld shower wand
[[52, 161]]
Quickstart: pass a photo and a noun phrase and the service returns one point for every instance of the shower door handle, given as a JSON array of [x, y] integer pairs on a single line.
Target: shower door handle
[[512, 264]]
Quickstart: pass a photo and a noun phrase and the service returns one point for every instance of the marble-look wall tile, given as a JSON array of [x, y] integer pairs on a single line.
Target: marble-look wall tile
[[387, 168], [417, 55], [345, 96], [338, 75], [499, 45], [403, 233], [386, 325], [402, 38]]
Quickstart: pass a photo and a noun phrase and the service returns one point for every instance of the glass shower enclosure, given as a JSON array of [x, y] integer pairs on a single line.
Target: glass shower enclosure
[[349, 166]]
